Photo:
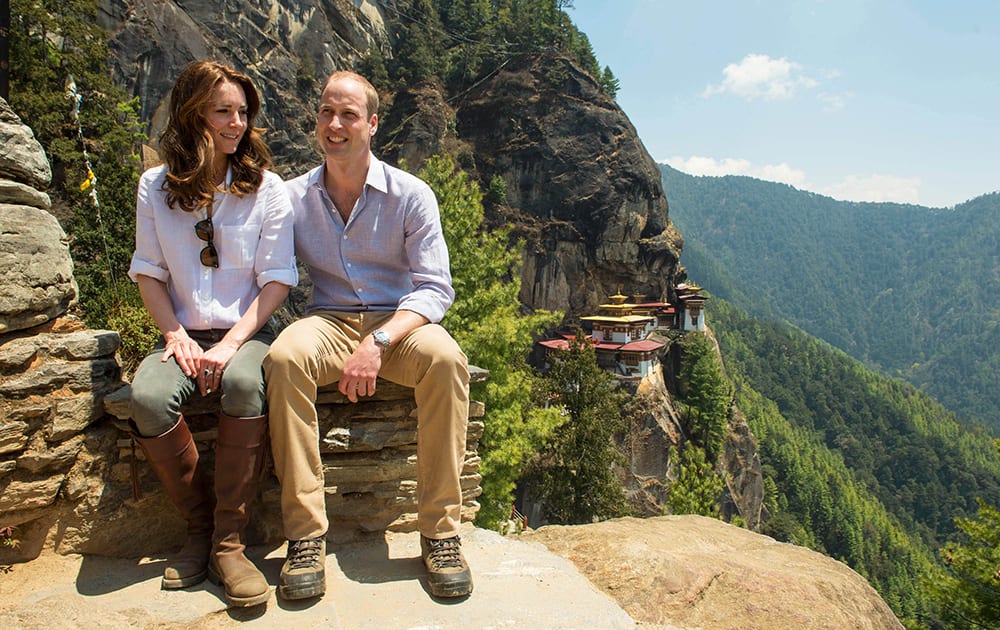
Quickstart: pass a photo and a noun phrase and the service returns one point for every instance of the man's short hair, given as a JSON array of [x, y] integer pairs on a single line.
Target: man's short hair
[[371, 94]]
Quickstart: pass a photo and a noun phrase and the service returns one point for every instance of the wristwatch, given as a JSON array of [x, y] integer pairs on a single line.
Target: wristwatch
[[381, 338]]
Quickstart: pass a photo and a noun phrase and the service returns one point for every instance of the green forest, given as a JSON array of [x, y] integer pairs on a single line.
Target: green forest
[[867, 469], [911, 291], [863, 467]]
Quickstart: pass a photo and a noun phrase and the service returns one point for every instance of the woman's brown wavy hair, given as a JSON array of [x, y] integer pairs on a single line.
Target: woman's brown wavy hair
[[186, 144]]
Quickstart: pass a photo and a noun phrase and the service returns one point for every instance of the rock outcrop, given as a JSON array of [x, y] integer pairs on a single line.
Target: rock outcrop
[[697, 572], [54, 372], [36, 272], [581, 188], [670, 573]]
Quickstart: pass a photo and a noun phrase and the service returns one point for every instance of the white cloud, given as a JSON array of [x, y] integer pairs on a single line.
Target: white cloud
[[698, 165], [832, 102], [875, 187], [760, 76]]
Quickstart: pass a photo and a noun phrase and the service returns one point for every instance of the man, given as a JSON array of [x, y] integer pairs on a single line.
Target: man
[[370, 236]]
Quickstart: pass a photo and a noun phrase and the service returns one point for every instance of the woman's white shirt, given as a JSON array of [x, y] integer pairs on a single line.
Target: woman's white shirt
[[253, 236]]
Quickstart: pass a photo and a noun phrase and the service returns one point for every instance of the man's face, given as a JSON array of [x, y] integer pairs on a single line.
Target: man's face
[[343, 126]]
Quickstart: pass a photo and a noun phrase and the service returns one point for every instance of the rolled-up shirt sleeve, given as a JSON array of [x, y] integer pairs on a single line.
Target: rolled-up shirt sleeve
[[427, 251], [148, 258], [275, 258]]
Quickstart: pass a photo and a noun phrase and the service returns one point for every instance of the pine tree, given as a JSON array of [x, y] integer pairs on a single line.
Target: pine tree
[[609, 83], [487, 323], [706, 395], [698, 487], [575, 476], [967, 593]]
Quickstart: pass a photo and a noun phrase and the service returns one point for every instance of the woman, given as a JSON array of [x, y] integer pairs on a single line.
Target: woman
[[213, 259]]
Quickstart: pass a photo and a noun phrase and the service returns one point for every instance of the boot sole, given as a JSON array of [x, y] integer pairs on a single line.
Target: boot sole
[[302, 591], [169, 584], [238, 602], [446, 590], [246, 602]]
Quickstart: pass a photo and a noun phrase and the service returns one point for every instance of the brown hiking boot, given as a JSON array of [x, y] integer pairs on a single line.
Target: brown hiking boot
[[173, 456], [448, 574], [239, 458], [303, 574]]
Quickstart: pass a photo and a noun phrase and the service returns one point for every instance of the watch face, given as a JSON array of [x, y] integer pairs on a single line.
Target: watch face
[[381, 338]]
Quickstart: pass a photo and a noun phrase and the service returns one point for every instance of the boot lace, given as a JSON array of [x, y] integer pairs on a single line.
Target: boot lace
[[445, 553], [304, 554]]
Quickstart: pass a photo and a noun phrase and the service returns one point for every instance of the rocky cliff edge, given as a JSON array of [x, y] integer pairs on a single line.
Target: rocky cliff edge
[[672, 572]]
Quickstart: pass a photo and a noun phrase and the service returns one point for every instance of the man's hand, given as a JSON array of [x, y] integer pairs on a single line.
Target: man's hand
[[361, 370]]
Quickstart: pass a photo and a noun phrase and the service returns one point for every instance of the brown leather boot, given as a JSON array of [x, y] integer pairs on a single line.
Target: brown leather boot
[[174, 458], [239, 459]]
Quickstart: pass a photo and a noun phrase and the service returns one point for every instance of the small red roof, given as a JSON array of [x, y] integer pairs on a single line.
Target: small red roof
[[555, 344], [643, 345]]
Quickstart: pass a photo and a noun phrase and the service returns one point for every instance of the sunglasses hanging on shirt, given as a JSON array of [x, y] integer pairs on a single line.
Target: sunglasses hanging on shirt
[[206, 232]]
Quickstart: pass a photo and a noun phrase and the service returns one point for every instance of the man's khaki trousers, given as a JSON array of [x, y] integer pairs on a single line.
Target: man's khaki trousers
[[309, 354]]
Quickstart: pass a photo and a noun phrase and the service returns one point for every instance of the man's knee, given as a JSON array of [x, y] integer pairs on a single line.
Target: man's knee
[[288, 349], [450, 357]]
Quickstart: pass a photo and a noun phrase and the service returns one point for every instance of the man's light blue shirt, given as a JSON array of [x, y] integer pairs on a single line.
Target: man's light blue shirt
[[390, 255]]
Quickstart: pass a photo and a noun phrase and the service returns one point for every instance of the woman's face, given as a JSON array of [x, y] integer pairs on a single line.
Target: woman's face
[[226, 118]]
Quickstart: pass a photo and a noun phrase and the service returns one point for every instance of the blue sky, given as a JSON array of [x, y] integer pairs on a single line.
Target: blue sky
[[863, 100]]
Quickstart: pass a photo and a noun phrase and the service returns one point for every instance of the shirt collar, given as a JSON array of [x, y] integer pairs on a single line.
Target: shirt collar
[[375, 177], [229, 181]]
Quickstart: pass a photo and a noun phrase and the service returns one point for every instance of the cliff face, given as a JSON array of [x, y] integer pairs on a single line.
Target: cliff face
[[580, 185]]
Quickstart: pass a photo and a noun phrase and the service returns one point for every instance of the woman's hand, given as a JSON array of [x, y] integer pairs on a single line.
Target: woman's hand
[[213, 362], [185, 351]]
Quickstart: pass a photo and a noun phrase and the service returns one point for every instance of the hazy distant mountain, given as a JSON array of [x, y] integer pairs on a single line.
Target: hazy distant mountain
[[910, 290]]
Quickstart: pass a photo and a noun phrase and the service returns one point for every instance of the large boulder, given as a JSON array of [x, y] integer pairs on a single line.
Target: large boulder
[[36, 271], [22, 158], [697, 572]]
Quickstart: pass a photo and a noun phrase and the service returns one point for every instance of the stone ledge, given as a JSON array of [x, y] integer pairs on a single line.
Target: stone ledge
[[369, 456], [117, 402]]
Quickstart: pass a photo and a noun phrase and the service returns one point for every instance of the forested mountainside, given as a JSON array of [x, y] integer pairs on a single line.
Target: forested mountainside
[[911, 291], [865, 468]]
